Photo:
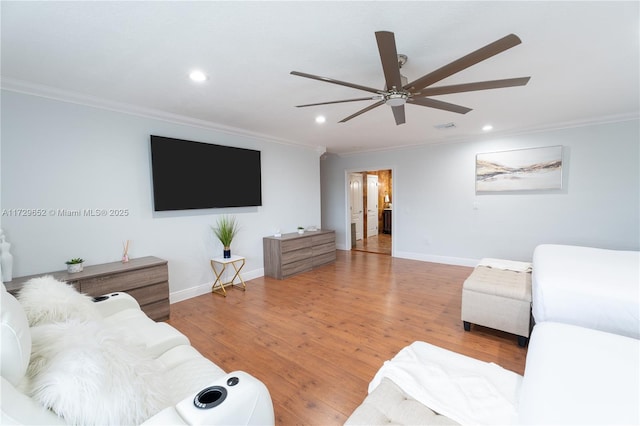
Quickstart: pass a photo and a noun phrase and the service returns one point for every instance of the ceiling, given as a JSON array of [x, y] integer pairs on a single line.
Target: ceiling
[[583, 59]]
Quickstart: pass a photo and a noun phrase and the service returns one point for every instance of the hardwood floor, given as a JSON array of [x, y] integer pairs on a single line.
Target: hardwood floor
[[317, 339], [380, 243]]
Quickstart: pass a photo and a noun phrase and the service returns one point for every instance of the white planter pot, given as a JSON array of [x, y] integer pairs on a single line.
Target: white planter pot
[[300, 231], [74, 267]]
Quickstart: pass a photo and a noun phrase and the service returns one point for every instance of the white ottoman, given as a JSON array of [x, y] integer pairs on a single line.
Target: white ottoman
[[497, 294]]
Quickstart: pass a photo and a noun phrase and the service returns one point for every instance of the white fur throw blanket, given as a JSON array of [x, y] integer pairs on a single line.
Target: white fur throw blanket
[[45, 300], [83, 369], [466, 390]]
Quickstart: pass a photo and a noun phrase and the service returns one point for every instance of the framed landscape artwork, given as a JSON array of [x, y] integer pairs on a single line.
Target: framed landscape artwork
[[519, 170]]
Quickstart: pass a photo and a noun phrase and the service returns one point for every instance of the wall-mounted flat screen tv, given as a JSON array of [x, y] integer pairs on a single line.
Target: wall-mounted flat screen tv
[[195, 175]]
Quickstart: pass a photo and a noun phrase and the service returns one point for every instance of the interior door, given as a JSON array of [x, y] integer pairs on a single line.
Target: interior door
[[372, 205], [356, 202]]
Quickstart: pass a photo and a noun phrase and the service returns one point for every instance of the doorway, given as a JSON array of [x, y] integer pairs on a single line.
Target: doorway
[[370, 207]]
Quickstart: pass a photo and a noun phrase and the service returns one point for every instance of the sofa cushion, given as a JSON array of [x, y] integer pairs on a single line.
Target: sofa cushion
[[157, 337], [88, 374], [388, 404], [187, 371], [45, 299], [16, 339]]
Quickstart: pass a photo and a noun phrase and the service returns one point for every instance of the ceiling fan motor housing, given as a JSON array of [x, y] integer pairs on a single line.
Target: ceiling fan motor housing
[[394, 98]]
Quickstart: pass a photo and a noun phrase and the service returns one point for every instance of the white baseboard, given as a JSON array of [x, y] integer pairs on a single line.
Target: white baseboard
[[447, 260], [199, 290]]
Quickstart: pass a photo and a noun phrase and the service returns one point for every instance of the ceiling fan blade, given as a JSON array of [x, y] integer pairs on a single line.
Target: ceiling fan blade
[[389, 57], [470, 87], [432, 103], [458, 65], [362, 111], [338, 102], [341, 83], [398, 114]]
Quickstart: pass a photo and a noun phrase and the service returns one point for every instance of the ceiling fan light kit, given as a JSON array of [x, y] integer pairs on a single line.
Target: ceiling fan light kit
[[397, 91], [395, 98]]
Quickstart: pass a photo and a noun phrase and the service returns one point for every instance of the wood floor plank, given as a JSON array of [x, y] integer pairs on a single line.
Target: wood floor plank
[[317, 339]]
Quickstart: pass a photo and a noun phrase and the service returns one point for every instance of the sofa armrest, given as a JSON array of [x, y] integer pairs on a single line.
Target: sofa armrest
[[112, 303], [19, 409], [576, 375], [168, 416], [236, 398]]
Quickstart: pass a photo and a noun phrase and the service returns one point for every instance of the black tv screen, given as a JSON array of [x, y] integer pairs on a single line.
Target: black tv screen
[[196, 175]]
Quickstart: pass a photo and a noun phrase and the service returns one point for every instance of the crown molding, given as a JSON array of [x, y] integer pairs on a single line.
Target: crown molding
[[49, 92], [609, 119]]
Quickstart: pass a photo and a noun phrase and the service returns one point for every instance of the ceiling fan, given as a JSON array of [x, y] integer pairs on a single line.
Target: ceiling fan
[[398, 91]]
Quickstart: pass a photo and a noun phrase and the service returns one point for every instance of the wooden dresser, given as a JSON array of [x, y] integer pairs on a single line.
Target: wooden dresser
[[145, 278], [293, 253]]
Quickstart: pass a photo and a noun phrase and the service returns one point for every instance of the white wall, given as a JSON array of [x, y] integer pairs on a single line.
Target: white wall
[[58, 155], [434, 195]]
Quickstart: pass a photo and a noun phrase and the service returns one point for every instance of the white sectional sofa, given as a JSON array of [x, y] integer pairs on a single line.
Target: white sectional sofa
[[587, 286], [67, 359], [577, 370]]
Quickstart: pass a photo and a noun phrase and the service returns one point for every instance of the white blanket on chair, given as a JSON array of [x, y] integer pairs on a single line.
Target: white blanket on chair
[[468, 391]]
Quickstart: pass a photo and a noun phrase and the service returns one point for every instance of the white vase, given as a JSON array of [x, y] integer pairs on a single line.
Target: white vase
[[6, 260], [73, 268]]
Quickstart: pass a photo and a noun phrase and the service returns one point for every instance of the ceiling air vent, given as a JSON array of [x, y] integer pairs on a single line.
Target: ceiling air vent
[[445, 126]]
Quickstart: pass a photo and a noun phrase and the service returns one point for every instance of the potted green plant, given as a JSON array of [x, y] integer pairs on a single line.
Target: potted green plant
[[74, 265], [226, 229], [300, 230]]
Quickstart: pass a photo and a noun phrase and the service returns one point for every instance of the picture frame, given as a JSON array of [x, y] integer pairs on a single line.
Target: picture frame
[[530, 169]]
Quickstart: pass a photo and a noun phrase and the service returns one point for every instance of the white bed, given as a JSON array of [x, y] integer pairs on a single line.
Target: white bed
[[580, 376], [590, 287]]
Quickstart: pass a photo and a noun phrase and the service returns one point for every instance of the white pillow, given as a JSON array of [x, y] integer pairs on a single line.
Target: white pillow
[[45, 299], [87, 374]]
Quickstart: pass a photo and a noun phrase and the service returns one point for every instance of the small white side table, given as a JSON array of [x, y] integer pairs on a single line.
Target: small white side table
[[219, 265]]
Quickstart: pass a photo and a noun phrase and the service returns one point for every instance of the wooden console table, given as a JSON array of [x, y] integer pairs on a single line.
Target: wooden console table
[[293, 253], [145, 278]]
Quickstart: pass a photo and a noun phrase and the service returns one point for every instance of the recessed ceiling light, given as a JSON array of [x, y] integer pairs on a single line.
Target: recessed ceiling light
[[320, 119], [198, 76], [487, 127]]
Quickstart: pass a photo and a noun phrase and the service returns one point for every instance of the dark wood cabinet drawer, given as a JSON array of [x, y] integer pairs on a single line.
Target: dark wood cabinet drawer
[[158, 311], [323, 249], [293, 253], [145, 278], [294, 256], [303, 265], [125, 281], [324, 259], [323, 239], [296, 244], [151, 293]]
